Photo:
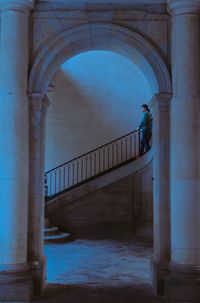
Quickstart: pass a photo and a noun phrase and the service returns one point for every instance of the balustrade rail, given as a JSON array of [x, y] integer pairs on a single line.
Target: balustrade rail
[[92, 164]]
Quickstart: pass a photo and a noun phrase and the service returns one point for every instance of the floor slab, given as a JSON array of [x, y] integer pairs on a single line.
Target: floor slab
[[104, 269]]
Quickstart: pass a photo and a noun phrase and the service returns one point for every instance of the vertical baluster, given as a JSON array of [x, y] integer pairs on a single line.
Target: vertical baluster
[[103, 159], [95, 163], [135, 145], [55, 182], [68, 175], [50, 184], [108, 156], [81, 169], [77, 171], [72, 173], [113, 156], [121, 150], [86, 168], [138, 143], [64, 185], [130, 146], [126, 149], [90, 165], [117, 153], [59, 180], [99, 161]]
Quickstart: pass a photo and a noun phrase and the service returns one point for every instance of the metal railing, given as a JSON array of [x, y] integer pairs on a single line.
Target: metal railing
[[92, 164]]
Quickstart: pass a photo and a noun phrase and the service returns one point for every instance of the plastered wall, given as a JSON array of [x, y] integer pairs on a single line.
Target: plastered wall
[[95, 98]]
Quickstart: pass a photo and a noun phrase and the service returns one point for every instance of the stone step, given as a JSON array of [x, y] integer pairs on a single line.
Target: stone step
[[58, 238], [50, 231]]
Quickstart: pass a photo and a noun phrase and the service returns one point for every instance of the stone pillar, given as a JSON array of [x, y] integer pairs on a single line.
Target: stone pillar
[[160, 105], [183, 283], [15, 281], [38, 106]]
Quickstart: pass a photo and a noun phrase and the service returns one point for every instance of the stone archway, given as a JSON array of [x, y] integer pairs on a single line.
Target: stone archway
[[65, 44], [57, 49]]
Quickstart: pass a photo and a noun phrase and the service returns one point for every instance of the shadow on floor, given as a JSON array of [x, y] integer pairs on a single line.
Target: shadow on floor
[[57, 293]]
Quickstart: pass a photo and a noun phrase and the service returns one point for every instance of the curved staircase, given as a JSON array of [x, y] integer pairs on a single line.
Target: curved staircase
[[92, 165], [93, 171], [53, 235]]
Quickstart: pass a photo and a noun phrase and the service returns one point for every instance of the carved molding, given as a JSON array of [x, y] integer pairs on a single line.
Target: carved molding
[[179, 7], [16, 5], [67, 43]]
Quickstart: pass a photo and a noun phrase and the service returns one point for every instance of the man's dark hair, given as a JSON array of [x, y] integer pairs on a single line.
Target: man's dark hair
[[145, 106]]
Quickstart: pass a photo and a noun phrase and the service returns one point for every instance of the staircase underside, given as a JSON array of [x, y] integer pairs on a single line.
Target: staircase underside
[[119, 173]]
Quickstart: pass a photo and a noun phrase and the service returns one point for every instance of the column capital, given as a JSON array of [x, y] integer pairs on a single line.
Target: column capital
[[160, 102], [180, 7], [16, 5], [36, 100], [39, 101], [36, 96]]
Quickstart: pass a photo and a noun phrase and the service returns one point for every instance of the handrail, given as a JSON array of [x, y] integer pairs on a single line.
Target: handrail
[[93, 163], [93, 150]]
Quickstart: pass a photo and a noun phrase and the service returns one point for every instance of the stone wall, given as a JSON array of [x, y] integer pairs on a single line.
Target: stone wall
[[152, 21], [49, 18], [126, 202]]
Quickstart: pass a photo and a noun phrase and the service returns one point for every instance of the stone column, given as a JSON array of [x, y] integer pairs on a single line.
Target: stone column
[[38, 106], [183, 283], [160, 105], [15, 282]]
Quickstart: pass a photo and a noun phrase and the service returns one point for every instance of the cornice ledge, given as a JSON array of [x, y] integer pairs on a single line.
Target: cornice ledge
[[16, 5], [181, 7]]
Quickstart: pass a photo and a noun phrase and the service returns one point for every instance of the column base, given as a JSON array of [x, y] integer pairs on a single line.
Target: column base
[[158, 274], [183, 284], [15, 283], [38, 273]]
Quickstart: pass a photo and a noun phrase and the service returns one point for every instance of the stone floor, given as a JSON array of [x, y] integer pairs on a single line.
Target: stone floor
[[99, 270]]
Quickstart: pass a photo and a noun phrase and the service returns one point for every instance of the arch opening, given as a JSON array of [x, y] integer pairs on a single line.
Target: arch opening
[[86, 90], [95, 98], [66, 44]]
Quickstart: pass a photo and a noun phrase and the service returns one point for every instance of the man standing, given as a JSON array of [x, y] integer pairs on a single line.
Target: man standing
[[146, 129]]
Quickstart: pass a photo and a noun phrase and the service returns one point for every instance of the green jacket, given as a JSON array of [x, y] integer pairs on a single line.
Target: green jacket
[[146, 122]]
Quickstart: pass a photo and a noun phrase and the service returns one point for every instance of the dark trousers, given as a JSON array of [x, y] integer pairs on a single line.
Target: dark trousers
[[144, 143]]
